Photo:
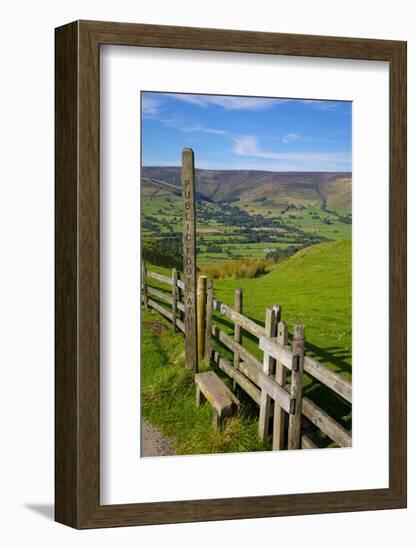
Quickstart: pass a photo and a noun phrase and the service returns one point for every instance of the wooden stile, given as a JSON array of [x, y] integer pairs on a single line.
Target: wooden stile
[[283, 354], [159, 277], [174, 299], [257, 379], [201, 315], [326, 423], [307, 443], [280, 376], [180, 287], [331, 379], [267, 368], [209, 322], [230, 343], [160, 294], [237, 329], [242, 380], [160, 309], [244, 322], [294, 428], [189, 255]]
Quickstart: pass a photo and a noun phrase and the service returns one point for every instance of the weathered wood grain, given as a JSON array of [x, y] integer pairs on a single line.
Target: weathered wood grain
[[234, 346], [240, 379], [159, 277], [174, 299], [157, 307], [246, 323], [267, 384], [280, 377], [294, 426], [201, 315], [216, 392], [326, 423], [160, 294], [238, 304], [209, 319], [180, 295], [278, 352], [331, 379], [180, 325], [267, 368], [189, 256], [307, 443]]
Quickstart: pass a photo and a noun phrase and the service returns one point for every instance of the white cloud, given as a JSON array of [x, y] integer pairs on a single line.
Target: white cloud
[[322, 104], [150, 106], [214, 131], [292, 136], [228, 102], [176, 123], [247, 146]]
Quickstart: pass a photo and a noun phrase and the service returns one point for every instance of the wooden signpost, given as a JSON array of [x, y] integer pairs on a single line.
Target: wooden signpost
[[189, 254]]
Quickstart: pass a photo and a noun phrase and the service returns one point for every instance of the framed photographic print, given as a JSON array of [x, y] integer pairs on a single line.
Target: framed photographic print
[[230, 274]]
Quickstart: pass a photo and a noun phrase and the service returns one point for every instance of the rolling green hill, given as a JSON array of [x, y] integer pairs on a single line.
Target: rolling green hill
[[313, 287]]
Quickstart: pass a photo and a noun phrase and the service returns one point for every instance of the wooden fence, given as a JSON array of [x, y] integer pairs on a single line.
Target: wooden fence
[[276, 382]]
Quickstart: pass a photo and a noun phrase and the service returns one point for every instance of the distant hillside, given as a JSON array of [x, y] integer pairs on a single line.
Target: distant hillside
[[246, 188]]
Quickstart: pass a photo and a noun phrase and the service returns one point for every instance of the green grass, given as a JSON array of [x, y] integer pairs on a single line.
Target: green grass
[[256, 251], [313, 287], [168, 398], [165, 210], [305, 221]]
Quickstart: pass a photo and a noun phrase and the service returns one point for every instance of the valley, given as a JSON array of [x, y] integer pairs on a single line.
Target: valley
[[247, 214]]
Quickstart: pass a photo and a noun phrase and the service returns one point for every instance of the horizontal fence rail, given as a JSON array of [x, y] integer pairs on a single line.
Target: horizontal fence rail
[[274, 383]]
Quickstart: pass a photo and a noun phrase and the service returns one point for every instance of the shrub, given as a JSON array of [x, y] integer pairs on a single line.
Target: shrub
[[236, 269]]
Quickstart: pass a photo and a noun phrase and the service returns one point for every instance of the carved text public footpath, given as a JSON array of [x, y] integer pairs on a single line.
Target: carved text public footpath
[[189, 256]]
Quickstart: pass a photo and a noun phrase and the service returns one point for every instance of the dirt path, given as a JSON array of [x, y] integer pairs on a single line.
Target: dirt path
[[153, 443]]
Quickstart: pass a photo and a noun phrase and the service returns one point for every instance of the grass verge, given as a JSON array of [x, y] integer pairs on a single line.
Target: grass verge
[[168, 398]]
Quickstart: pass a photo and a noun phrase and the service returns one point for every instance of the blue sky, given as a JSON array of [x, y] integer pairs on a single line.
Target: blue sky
[[247, 133]]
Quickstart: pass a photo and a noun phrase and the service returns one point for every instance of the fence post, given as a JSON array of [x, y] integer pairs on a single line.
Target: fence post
[[144, 285], [209, 313], [268, 365], [174, 299], [180, 296], [280, 375], [238, 330], [189, 258], [294, 430], [201, 314]]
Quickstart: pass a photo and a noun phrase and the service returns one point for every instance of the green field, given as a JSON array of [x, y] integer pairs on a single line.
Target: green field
[[313, 288], [305, 217], [241, 229]]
